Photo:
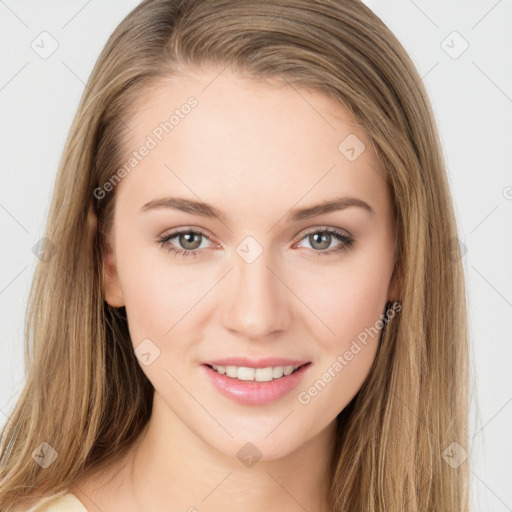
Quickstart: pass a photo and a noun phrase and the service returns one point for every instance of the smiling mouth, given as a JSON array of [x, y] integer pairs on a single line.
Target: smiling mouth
[[268, 374]]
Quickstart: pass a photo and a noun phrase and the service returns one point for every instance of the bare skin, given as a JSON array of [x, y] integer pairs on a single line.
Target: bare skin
[[255, 151]]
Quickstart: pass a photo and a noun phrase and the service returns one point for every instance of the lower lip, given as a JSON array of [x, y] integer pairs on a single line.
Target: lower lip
[[252, 392]]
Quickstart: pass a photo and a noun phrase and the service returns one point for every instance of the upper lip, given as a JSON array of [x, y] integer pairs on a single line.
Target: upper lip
[[255, 363]]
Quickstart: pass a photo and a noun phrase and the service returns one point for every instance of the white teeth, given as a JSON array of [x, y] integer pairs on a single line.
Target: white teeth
[[278, 372], [264, 374], [231, 371], [255, 374], [288, 370], [245, 373]]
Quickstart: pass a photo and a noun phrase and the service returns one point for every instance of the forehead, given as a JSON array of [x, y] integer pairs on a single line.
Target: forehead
[[244, 138]]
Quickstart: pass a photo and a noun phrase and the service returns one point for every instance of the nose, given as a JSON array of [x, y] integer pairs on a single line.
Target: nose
[[255, 301]]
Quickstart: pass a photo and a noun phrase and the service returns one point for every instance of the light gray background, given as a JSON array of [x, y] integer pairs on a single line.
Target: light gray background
[[472, 99]]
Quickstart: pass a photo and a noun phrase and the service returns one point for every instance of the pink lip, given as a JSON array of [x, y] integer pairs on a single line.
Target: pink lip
[[252, 392], [251, 363]]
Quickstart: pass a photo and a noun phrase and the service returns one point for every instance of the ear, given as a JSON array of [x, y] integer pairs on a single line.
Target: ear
[[394, 288], [112, 291]]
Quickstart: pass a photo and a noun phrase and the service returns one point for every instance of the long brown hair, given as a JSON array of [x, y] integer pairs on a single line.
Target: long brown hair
[[86, 397]]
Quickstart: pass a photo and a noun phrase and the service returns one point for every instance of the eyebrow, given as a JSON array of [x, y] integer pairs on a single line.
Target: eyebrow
[[206, 210]]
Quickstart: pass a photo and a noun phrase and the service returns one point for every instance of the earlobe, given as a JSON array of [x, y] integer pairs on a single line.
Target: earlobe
[[394, 288], [111, 285], [112, 290]]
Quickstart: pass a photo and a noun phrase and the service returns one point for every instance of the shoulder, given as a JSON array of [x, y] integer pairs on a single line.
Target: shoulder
[[65, 503]]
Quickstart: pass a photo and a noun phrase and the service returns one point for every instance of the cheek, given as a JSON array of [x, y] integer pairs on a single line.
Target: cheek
[[160, 296], [345, 299], [349, 302]]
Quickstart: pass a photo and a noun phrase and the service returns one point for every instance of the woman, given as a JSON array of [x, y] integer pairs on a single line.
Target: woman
[[253, 297]]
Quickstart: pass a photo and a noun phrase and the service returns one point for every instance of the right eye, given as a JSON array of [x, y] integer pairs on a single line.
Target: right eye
[[187, 238]]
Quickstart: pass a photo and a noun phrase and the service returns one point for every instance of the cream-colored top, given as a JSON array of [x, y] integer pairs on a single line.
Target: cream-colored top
[[66, 503]]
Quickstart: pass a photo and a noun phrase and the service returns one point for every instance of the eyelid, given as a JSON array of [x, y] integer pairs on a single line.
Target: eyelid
[[185, 229], [315, 229]]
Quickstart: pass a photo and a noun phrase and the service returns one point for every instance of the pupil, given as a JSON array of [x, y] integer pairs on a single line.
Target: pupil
[[325, 240], [187, 243]]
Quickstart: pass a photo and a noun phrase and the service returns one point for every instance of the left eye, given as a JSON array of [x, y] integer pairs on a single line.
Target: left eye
[[188, 240], [320, 239]]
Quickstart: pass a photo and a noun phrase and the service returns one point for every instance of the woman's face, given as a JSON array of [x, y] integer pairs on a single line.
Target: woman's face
[[261, 271]]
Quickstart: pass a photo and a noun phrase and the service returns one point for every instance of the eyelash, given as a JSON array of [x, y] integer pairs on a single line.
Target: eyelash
[[347, 242]]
